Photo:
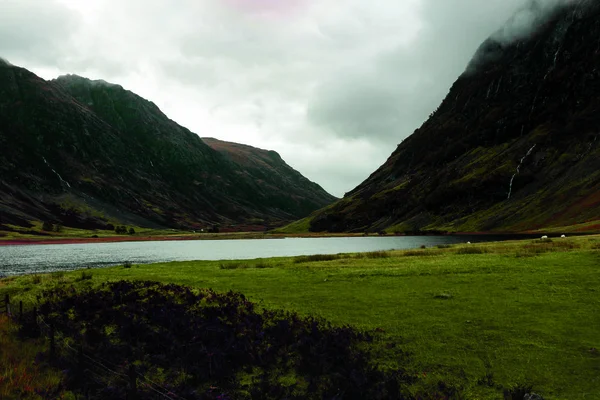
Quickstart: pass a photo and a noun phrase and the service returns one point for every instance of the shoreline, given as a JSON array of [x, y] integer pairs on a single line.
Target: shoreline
[[235, 236]]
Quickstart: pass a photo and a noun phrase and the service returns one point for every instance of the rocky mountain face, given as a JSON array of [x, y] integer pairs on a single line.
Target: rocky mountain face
[[81, 153], [514, 146]]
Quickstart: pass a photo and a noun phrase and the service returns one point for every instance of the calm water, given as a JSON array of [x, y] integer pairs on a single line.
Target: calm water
[[24, 259]]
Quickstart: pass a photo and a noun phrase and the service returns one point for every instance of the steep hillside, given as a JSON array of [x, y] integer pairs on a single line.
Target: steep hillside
[[83, 152], [513, 146], [276, 182]]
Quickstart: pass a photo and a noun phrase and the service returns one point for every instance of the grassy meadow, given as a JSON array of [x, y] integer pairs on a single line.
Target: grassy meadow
[[483, 318]]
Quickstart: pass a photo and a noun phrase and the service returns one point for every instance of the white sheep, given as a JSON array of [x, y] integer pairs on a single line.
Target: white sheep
[[544, 237], [563, 236]]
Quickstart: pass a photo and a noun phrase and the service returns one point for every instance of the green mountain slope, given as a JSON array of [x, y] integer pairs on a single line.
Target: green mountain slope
[[514, 146], [83, 152]]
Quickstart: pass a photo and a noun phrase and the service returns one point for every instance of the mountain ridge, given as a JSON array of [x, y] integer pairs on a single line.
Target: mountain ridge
[[81, 152]]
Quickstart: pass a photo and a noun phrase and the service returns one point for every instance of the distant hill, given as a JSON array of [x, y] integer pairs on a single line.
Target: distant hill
[[275, 182], [82, 153], [514, 146]]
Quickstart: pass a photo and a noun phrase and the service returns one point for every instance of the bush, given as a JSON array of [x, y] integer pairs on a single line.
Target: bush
[[47, 226], [200, 340], [131, 231], [518, 392], [110, 227], [121, 229], [127, 264]]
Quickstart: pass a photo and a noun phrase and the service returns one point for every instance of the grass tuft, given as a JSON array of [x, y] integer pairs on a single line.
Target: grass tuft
[[378, 254], [234, 265], [418, 253], [472, 250], [21, 377], [84, 276], [58, 275], [316, 258]]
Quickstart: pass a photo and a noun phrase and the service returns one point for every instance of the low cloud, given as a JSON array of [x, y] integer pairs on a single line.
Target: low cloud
[[529, 18]]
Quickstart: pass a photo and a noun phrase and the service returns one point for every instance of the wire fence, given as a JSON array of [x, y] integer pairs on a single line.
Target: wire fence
[[91, 369]]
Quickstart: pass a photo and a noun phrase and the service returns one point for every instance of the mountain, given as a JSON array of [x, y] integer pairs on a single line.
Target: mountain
[[514, 146], [83, 153], [276, 182]]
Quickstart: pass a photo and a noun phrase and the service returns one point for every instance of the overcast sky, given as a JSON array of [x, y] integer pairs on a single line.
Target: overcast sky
[[333, 86]]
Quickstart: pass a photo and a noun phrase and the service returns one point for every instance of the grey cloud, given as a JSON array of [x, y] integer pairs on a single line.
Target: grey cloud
[[407, 83], [357, 106], [315, 81], [35, 31]]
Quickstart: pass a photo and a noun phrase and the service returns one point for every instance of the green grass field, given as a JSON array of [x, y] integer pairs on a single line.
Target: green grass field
[[481, 317]]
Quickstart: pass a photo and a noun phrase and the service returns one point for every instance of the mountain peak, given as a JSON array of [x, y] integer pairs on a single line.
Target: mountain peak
[[513, 146]]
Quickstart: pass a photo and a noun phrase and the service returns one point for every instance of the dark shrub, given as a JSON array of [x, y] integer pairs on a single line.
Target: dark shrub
[[47, 226], [203, 341], [131, 231]]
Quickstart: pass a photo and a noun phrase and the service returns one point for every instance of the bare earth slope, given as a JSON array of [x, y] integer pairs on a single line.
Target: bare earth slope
[[514, 146]]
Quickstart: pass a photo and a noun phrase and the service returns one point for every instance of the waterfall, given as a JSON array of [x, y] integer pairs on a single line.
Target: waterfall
[[518, 170], [57, 174]]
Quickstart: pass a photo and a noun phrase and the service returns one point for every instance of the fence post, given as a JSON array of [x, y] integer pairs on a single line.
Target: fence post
[[132, 383], [52, 343]]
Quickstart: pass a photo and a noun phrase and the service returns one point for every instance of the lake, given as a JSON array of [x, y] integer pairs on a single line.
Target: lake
[[26, 259]]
